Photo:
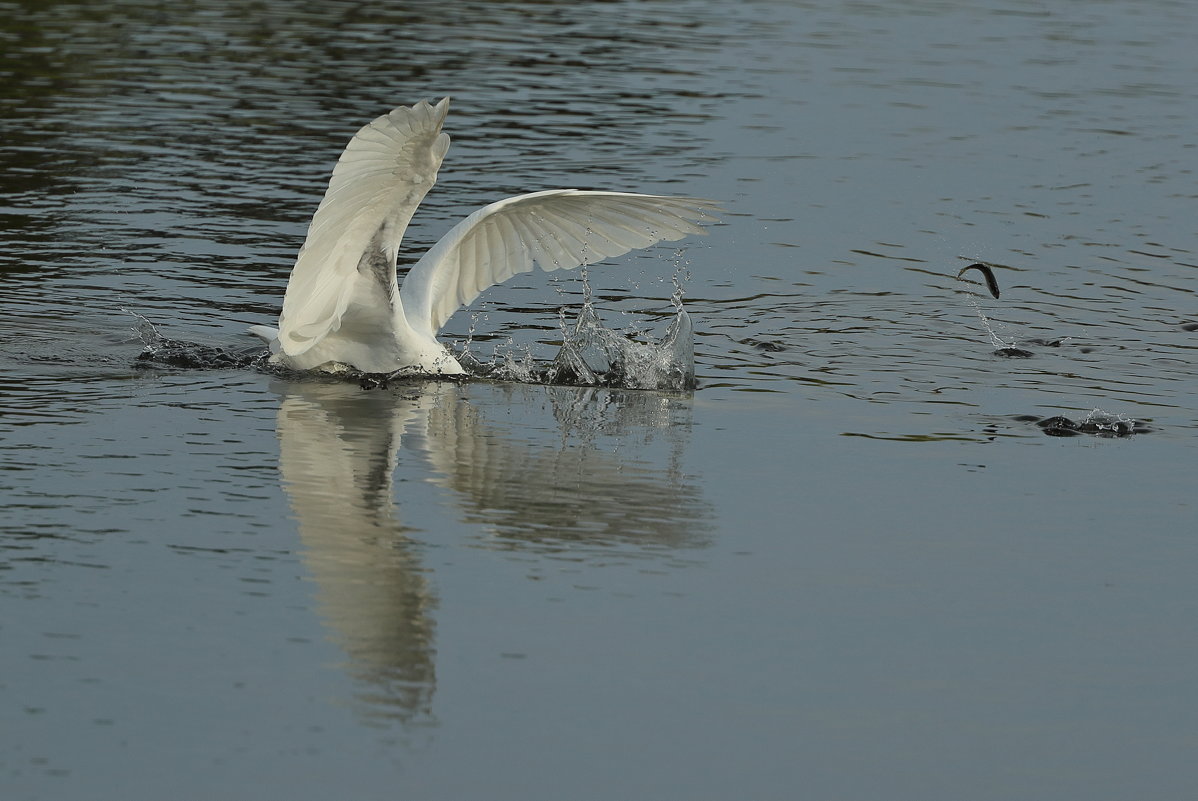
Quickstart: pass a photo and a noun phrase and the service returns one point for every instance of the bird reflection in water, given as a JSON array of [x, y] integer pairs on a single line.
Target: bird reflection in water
[[594, 484]]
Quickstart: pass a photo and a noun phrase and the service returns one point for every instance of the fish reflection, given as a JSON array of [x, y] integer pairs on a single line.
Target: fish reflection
[[593, 480]]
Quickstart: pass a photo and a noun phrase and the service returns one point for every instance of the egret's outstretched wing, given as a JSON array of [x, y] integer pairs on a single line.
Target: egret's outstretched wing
[[349, 254], [556, 229]]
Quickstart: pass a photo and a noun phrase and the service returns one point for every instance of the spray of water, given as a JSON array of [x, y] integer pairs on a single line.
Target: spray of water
[[998, 342], [593, 354], [159, 351]]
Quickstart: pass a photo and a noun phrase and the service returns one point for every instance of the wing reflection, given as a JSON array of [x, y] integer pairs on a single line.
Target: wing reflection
[[548, 494], [338, 448], [596, 478]]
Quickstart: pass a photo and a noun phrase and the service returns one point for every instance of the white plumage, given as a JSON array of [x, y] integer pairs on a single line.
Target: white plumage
[[344, 306]]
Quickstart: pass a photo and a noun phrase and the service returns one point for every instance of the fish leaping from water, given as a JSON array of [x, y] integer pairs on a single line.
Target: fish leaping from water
[[344, 306]]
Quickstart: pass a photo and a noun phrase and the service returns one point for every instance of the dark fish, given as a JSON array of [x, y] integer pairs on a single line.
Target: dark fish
[[985, 270]]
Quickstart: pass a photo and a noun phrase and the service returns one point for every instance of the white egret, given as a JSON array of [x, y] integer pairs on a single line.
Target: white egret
[[344, 306]]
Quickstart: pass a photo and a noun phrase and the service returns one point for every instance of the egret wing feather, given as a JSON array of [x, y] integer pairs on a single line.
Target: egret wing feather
[[383, 174], [554, 229]]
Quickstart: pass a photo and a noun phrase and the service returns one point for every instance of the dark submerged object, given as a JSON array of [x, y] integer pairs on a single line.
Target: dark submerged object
[[764, 345], [1102, 425], [987, 273], [173, 353], [1014, 353]]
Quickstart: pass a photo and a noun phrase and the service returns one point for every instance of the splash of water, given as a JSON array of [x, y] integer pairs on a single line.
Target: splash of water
[[507, 364], [145, 330], [158, 350], [594, 355], [998, 342], [1098, 421]]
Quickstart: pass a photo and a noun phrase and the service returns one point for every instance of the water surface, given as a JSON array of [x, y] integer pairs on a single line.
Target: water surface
[[849, 566]]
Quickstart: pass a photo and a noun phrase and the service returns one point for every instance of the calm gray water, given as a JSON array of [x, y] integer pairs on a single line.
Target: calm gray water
[[850, 566]]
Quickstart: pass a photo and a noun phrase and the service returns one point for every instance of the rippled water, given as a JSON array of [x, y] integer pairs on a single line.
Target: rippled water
[[850, 565]]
